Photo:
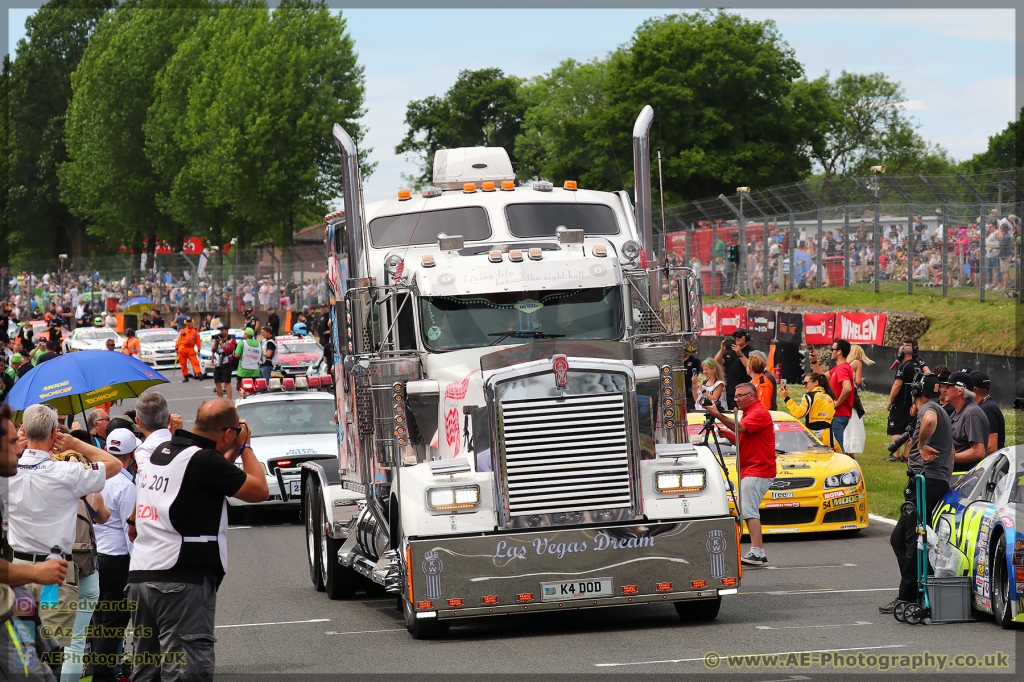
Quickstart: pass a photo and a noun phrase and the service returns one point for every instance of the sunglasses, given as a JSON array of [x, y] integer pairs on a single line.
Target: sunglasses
[[737, 396], [236, 429]]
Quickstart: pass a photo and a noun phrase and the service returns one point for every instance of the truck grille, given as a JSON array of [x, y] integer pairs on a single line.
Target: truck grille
[[564, 455]]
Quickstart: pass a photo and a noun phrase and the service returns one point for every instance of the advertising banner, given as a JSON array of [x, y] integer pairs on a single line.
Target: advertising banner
[[732, 319], [711, 320], [861, 327], [761, 324], [819, 329], [790, 327]]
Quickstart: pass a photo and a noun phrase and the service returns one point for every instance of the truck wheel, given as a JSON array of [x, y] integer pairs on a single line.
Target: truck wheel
[[1002, 602], [698, 611], [339, 582], [311, 512], [423, 628]]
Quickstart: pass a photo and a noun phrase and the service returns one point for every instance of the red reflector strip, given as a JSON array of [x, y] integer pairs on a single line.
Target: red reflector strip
[[454, 602], [663, 587], [730, 582], [525, 596], [698, 584], [424, 604], [629, 589], [489, 599]]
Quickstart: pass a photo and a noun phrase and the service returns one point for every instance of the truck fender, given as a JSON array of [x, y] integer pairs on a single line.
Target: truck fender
[[339, 502]]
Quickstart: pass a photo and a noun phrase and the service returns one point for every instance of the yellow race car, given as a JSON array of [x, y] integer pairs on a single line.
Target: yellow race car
[[815, 489]]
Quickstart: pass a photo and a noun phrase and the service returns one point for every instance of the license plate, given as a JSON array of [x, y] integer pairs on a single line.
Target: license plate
[[296, 488], [576, 589]]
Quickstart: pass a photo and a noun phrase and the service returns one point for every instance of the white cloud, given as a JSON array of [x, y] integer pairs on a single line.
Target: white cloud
[[913, 105]]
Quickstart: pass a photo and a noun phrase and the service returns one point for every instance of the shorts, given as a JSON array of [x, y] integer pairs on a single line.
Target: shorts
[[222, 374], [752, 491], [897, 423], [1004, 263]]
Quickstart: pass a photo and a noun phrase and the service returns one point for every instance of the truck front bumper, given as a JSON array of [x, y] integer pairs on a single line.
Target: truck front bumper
[[462, 577]]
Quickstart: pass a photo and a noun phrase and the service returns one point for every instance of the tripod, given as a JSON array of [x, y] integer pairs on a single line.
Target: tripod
[[705, 431]]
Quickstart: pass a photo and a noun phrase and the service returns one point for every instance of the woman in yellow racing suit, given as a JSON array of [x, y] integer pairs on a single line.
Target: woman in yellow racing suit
[[816, 408]]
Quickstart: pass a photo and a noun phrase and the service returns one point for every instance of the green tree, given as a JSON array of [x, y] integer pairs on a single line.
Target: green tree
[[109, 180], [5, 252], [552, 144], [40, 223], [722, 87], [1005, 150], [483, 108]]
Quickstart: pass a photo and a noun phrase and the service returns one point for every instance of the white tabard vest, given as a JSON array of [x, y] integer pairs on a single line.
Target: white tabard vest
[[250, 356], [158, 544]]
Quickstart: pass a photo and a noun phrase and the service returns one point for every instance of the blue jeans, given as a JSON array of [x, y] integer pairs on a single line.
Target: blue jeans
[[265, 372], [88, 593], [839, 429]]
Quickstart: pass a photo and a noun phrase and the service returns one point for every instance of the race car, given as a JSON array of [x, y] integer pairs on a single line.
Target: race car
[[296, 354], [92, 338], [156, 348], [815, 489], [978, 518], [206, 346], [288, 428]]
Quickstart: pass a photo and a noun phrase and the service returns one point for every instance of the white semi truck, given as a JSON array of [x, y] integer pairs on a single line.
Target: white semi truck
[[511, 425]]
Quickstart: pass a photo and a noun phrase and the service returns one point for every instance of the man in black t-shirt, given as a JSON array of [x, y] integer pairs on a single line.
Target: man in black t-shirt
[[181, 537], [691, 369], [900, 400], [273, 321], [733, 357], [996, 420]]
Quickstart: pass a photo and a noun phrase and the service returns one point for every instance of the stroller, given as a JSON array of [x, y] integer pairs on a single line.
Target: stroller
[[911, 612]]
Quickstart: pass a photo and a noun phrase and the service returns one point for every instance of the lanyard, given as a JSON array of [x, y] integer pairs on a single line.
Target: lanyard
[[17, 646]]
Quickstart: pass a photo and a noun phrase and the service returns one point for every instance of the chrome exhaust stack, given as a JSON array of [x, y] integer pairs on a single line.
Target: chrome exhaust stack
[[642, 191], [355, 215]]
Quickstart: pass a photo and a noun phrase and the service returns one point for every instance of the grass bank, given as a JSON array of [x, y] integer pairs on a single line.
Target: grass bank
[[957, 324]]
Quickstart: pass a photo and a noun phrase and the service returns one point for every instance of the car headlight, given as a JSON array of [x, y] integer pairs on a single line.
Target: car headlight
[[463, 497], [680, 481], [847, 478]]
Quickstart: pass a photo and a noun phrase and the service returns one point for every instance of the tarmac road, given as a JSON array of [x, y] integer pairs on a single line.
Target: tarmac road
[[820, 595]]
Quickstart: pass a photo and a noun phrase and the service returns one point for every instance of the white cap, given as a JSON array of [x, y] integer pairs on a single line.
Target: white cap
[[121, 442]]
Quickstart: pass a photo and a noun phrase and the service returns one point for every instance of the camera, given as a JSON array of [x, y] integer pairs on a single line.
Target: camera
[[706, 401], [900, 440]]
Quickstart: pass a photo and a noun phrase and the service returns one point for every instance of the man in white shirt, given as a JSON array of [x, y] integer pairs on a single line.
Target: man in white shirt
[[43, 503], [114, 554], [157, 424]]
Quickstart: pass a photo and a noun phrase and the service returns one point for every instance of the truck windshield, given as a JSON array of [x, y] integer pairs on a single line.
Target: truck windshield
[[541, 220], [479, 320]]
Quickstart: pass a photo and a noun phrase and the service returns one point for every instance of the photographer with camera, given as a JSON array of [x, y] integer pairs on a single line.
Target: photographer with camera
[[755, 437], [931, 454], [907, 364]]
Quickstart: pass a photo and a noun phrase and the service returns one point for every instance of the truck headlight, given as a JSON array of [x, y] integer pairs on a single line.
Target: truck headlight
[[847, 478], [463, 497], [680, 481]]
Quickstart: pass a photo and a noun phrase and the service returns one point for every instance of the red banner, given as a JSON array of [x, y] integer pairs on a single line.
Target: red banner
[[733, 319], [861, 327], [819, 329], [711, 321]]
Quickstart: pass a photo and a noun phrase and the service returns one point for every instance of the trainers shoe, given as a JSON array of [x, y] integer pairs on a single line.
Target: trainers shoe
[[751, 560], [184, 380], [891, 458], [890, 607]]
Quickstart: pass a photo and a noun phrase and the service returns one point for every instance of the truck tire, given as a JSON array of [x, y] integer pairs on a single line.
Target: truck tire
[[698, 611], [311, 513], [339, 582], [423, 628]]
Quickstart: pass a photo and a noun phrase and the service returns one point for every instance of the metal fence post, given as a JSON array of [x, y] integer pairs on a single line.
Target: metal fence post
[[714, 246], [876, 238], [764, 256], [910, 248], [982, 256], [846, 245], [819, 276], [945, 249], [791, 250]]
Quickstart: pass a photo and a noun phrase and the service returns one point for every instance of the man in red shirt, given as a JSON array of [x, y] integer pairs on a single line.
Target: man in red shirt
[[756, 434], [840, 378]]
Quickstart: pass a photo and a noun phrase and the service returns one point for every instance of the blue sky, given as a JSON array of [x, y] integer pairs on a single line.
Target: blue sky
[[956, 65]]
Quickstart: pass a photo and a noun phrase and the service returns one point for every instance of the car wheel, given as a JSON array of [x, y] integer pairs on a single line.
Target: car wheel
[[698, 611], [1002, 607], [423, 628], [339, 581], [310, 495]]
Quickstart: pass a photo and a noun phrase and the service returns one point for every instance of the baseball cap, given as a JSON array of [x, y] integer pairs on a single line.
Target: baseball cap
[[223, 326], [740, 332], [248, 331], [943, 376], [16, 358], [120, 423], [188, 319], [121, 442], [981, 379], [961, 379]]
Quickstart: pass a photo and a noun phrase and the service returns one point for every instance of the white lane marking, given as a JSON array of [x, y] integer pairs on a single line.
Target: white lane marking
[[362, 632], [283, 622], [790, 568], [882, 519], [804, 627], [238, 527], [825, 590], [787, 679], [780, 653]]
